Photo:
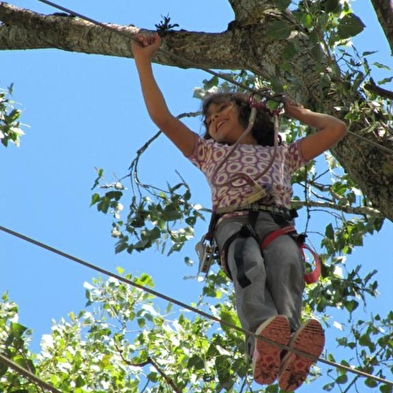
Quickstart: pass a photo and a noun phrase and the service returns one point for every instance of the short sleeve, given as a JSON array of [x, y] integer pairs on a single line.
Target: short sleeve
[[295, 157], [202, 152]]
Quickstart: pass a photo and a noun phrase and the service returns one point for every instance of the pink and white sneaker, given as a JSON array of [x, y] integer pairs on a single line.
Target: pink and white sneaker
[[310, 338], [266, 358]]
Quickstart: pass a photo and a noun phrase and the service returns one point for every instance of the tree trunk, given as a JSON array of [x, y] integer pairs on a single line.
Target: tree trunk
[[246, 44]]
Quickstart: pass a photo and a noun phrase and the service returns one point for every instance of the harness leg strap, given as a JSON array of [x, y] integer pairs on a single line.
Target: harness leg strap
[[241, 276], [245, 231], [300, 240]]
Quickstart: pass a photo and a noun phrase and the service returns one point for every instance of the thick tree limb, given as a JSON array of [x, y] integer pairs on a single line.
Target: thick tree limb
[[250, 11], [23, 29], [245, 45], [384, 11]]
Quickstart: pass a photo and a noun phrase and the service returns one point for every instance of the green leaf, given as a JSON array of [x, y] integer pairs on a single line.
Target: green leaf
[[191, 220], [350, 26], [228, 316], [211, 82], [351, 305], [17, 329], [329, 387], [386, 388], [171, 214], [342, 379], [95, 198], [121, 245], [289, 51], [331, 5], [196, 362], [382, 66], [279, 29], [329, 231], [385, 80], [282, 4], [307, 20], [141, 322], [371, 383]]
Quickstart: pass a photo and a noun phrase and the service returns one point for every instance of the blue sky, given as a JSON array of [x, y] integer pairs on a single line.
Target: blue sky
[[86, 111]]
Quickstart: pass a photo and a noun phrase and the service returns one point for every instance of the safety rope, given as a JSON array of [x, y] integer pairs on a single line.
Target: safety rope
[[190, 308], [258, 191]]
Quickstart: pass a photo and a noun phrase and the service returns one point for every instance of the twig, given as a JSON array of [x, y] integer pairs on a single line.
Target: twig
[[167, 379], [363, 210]]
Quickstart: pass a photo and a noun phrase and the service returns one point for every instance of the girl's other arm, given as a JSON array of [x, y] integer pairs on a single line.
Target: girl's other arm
[[330, 129], [144, 49]]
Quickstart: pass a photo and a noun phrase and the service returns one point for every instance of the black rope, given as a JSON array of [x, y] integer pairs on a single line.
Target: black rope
[[190, 308]]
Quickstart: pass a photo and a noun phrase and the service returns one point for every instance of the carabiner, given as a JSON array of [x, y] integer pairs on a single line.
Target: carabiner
[[264, 94]]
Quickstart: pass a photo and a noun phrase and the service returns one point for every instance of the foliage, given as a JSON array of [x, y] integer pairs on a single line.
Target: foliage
[[165, 24], [14, 338], [157, 217], [123, 342], [9, 125], [136, 348]]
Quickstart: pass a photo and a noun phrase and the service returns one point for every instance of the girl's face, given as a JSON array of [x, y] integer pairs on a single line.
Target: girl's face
[[222, 122]]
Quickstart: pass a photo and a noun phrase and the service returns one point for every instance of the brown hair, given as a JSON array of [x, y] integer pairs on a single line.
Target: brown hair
[[263, 129]]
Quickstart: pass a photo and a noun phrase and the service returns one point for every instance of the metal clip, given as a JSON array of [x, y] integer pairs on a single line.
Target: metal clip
[[205, 252]]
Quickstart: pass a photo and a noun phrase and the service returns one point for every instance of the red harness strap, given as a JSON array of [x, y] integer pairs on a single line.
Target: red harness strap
[[310, 277]]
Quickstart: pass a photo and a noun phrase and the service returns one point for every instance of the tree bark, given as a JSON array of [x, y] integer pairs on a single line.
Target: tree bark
[[244, 45], [384, 11]]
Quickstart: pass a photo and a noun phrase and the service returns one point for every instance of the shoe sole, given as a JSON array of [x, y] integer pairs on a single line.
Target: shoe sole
[[310, 339], [268, 359]]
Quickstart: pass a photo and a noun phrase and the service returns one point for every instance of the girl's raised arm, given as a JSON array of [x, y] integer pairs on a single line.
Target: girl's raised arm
[[330, 129], [144, 49]]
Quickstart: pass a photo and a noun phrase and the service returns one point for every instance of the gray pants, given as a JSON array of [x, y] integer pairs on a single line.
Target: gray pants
[[276, 277]]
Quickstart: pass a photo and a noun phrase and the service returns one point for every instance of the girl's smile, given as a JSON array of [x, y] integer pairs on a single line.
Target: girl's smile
[[222, 120]]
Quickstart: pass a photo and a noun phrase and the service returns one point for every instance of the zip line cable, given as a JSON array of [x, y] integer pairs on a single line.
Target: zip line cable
[[190, 308], [27, 374]]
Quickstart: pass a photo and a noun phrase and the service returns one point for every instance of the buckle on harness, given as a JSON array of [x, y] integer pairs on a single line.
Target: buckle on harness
[[206, 254]]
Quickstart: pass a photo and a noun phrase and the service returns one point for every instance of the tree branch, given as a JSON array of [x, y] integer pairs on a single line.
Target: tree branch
[[363, 210], [167, 379], [24, 29], [250, 11], [246, 46], [384, 11], [372, 86]]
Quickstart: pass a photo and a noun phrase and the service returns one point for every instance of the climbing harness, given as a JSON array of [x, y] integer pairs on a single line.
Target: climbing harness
[[300, 239], [206, 248], [248, 230]]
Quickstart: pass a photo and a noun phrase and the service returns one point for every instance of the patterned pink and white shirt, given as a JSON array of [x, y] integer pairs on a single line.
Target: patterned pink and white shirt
[[251, 160]]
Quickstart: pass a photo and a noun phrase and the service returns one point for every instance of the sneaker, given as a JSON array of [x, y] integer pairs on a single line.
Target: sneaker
[[266, 358], [310, 338]]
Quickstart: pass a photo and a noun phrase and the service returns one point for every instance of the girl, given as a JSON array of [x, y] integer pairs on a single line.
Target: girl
[[268, 285]]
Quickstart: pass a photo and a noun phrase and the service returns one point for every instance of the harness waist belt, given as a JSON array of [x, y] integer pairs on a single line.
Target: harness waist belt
[[287, 213]]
